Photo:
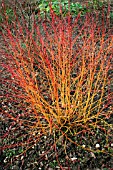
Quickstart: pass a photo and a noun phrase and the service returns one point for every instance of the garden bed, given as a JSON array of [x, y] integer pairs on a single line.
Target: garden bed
[[64, 144]]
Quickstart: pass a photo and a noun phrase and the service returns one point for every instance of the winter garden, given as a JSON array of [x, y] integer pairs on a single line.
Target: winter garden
[[56, 65]]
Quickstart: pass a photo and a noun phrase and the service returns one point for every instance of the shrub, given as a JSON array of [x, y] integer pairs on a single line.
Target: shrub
[[56, 81]]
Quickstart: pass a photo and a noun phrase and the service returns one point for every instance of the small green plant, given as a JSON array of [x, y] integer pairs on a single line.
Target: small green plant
[[97, 4], [111, 15], [53, 164], [9, 13], [44, 8]]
